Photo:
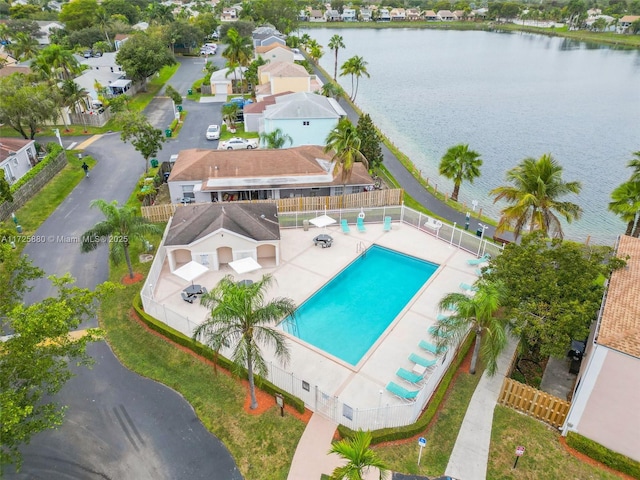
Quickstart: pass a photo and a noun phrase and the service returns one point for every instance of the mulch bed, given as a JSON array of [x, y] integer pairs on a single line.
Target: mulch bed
[[127, 280]]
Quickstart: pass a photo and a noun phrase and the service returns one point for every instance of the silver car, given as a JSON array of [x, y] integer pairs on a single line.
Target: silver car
[[213, 132], [237, 143]]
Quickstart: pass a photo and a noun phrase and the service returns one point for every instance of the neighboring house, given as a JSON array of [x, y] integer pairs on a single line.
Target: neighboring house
[[316, 16], [266, 39], [332, 15], [307, 118], [413, 14], [446, 15], [119, 39], [349, 15], [459, 15], [398, 14], [229, 14], [280, 77], [383, 15], [107, 72], [17, 157], [604, 407], [253, 112], [106, 62], [222, 82], [365, 14], [214, 235], [229, 175], [6, 60], [47, 28], [55, 6], [431, 16], [141, 26], [626, 21], [275, 53], [593, 12]]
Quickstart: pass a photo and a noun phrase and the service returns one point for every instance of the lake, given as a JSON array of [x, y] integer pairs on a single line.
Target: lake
[[509, 96]]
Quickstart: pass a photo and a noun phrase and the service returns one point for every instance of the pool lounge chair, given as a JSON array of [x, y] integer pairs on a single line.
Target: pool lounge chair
[[345, 226], [441, 317], [423, 362], [360, 225], [387, 224], [431, 348], [409, 376], [468, 288], [434, 332], [401, 392], [477, 261]]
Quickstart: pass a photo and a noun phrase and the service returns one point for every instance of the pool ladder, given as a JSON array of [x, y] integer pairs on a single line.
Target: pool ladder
[[361, 248]]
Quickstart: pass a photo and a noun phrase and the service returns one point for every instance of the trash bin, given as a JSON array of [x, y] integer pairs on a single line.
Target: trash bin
[[479, 232], [154, 162], [167, 132], [305, 225], [190, 92], [19, 228], [179, 108]]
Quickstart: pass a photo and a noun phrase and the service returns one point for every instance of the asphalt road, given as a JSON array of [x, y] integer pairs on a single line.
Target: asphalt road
[[118, 425]]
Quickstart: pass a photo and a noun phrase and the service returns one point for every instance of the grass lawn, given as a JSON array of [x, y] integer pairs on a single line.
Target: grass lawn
[[441, 436], [544, 456]]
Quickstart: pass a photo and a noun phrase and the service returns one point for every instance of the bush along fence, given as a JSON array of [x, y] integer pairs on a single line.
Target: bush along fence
[[602, 454], [36, 178]]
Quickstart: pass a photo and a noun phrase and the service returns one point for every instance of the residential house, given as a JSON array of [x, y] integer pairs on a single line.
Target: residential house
[[229, 175], [366, 14], [383, 15], [459, 15], [626, 21], [398, 14], [413, 14], [106, 71], [303, 16], [55, 6], [253, 113], [275, 53], [593, 12], [604, 407], [332, 15], [316, 16], [446, 16], [265, 36], [431, 16], [119, 39], [14, 68], [226, 82], [280, 77], [229, 14], [307, 118], [47, 28], [17, 157], [216, 234], [349, 15]]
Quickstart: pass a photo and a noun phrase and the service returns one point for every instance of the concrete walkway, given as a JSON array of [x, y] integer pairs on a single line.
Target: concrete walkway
[[311, 458], [470, 454]]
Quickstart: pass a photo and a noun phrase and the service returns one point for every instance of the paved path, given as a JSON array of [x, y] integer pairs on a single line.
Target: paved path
[[468, 461]]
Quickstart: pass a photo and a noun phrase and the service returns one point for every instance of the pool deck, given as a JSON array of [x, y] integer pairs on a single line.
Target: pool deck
[[305, 268]]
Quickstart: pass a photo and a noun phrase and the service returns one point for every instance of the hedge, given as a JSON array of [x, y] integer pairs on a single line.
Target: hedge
[[408, 431], [602, 454], [204, 351], [54, 150]]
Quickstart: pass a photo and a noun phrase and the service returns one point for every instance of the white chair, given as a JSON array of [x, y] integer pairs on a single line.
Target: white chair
[[433, 224]]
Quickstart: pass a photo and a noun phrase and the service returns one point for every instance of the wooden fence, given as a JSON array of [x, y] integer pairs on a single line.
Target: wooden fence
[[534, 402], [375, 198]]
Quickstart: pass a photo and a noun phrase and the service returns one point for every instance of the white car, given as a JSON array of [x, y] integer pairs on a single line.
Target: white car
[[237, 143], [213, 132]]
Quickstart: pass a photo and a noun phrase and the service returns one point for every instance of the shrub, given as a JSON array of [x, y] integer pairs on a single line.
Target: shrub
[[205, 352], [602, 454], [54, 150]]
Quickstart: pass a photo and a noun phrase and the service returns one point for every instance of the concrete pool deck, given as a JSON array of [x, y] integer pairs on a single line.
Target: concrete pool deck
[[304, 268]]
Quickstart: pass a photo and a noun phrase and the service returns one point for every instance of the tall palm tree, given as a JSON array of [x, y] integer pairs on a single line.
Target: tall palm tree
[[360, 458], [23, 46], [239, 49], [54, 63], [332, 90], [336, 42], [120, 226], [315, 50], [458, 164], [356, 67], [635, 164], [475, 313], [626, 204], [241, 320], [230, 113], [75, 97], [534, 195], [275, 139], [344, 141]]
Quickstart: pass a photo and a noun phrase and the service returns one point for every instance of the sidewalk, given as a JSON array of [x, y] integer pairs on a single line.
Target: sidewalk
[[468, 460], [311, 458]]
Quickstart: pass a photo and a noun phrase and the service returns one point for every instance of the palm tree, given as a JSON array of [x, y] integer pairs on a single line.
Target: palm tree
[[635, 164], [345, 143], [229, 114], [336, 42], [534, 195], [54, 63], [458, 164], [315, 51], [360, 458], [241, 320], [626, 204], [120, 226], [332, 90], [475, 313], [239, 49], [356, 67], [23, 46], [275, 139], [75, 96]]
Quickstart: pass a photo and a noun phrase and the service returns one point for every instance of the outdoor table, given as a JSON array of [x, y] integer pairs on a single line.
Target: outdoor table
[[419, 369], [323, 239], [193, 290]]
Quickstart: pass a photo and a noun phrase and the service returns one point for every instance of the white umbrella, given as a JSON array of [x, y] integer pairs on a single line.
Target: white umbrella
[[190, 271], [322, 221], [245, 265]]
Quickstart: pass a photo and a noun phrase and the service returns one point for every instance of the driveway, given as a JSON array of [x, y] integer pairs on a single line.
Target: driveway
[[118, 425]]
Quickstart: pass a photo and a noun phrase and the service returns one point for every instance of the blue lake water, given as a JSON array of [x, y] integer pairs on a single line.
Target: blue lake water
[[509, 96], [348, 315]]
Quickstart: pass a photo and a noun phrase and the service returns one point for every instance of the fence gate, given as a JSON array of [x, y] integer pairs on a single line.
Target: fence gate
[[326, 405], [534, 402]]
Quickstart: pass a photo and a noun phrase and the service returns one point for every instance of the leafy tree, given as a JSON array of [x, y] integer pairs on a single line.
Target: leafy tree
[[144, 137], [54, 63], [143, 55], [332, 90], [336, 42], [122, 7], [159, 13], [34, 362], [356, 67], [626, 199], [244, 29], [315, 50], [23, 46], [207, 22], [282, 14], [553, 290], [369, 141], [5, 188], [251, 74], [359, 456], [534, 193], [173, 94], [479, 314], [229, 114], [120, 227], [345, 144], [78, 14], [23, 11], [241, 320], [183, 33], [84, 38], [24, 106], [30, 27], [459, 164], [275, 139]]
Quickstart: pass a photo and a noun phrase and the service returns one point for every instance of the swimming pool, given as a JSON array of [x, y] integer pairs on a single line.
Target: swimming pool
[[346, 316]]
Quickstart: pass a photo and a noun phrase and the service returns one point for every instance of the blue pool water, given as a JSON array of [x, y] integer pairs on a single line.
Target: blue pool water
[[346, 316]]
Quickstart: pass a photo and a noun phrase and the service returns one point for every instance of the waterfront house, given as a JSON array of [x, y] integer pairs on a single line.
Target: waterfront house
[[626, 21], [17, 157], [365, 14], [332, 15], [229, 14], [431, 16], [604, 407], [397, 15], [265, 36], [383, 15], [275, 53], [201, 175], [446, 15], [316, 16], [413, 14], [280, 77], [349, 15]]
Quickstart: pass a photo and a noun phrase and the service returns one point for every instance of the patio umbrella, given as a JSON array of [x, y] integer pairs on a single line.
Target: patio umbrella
[[245, 265], [323, 221], [190, 271]]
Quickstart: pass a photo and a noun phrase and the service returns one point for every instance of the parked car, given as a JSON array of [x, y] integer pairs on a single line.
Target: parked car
[[87, 54], [237, 143], [213, 132]]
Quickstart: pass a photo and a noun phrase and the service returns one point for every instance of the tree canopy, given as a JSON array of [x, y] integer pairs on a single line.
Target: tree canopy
[[25, 106], [459, 164], [143, 55], [369, 141], [78, 14], [144, 137]]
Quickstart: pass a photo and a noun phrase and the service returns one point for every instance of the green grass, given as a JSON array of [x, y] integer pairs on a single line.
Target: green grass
[[544, 456], [141, 100], [441, 436]]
